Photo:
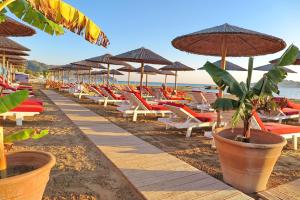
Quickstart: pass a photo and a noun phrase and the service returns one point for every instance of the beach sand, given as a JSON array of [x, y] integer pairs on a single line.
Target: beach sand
[[195, 150], [82, 171]]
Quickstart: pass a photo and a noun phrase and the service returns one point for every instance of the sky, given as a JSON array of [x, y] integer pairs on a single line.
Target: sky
[[131, 24]]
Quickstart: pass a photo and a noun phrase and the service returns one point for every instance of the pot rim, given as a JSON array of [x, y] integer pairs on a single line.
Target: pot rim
[[50, 164], [251, 145]]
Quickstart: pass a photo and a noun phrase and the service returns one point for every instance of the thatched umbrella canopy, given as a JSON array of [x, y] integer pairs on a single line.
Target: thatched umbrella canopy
[[11, 45], [297, 62], [89, 65], [13, 28], [142, 55], [268, 67], [13, 57], [227, 40], [228, 66], [177, 66], [166, 73], [127, 69], [148, 70], [107, 59]]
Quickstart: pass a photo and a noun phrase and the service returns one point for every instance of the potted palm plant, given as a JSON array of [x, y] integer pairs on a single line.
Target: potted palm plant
[[24, 174], [248, 155]]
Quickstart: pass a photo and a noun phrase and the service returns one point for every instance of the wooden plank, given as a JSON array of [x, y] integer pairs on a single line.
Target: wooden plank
[[154, 173]]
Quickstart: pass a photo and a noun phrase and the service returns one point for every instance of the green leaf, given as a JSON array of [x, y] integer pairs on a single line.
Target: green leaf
[[10, 101], [224, 79], [225, 104], [41, 134], [289, 56], [250, 70], [25, 135]]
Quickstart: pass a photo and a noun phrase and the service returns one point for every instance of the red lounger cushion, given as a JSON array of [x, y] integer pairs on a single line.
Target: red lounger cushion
[[148, 106], [28, 108], [281, 129], [32, 102], [115, 96], [203, 117], [290, 111], [158, 107]]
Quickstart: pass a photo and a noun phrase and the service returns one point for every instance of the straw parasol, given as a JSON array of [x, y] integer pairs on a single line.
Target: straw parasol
[[106, 59], [229, 66], [227, 40], [148, 70], [176, 66], [89, 65], [127, 69], [166, 73], [142, 55], [297, 62], [268, 67], [13, 28]]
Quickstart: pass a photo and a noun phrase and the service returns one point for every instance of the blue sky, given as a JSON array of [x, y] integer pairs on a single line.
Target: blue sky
[[153, 24]]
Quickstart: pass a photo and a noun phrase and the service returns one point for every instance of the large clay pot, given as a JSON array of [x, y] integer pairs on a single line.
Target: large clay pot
[[248, 166], [30, 185]]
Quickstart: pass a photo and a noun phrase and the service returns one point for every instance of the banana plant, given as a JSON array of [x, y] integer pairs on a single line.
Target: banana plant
[[52, 16], [8, 103], [247, 97]]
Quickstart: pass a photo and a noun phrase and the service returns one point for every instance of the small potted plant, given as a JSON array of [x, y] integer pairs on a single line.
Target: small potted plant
[[23, 174], [247, 156]]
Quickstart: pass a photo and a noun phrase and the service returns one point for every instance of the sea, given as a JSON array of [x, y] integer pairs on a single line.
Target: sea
[[289, 92]]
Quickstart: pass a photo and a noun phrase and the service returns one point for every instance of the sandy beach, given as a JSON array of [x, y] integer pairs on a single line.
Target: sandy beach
[[196, 150], [81, 171]]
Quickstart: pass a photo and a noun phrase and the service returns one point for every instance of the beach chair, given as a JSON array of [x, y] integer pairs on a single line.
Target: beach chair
[[96, 95], [284, 130], [204, 100], [185, 118], [81, 91], [28, 108], [110, 96], [139, 106]]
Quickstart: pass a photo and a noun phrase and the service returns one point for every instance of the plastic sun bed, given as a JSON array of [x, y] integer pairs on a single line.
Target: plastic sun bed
[[98, 97], [284, 130], [139, 106], [110, 96], [28, 108], [203, 100], [185, 118]]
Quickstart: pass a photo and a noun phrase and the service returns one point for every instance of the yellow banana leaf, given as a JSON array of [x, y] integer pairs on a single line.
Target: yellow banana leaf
[[71, 18]]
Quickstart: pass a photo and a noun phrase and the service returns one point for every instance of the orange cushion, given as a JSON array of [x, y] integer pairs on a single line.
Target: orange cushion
[[158, 107], [294, 105], [259, 121], [280, 129]]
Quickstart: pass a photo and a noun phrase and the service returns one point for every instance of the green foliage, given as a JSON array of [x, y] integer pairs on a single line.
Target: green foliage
[[249, 98], [24, 11], [10, 101], [25, 135]]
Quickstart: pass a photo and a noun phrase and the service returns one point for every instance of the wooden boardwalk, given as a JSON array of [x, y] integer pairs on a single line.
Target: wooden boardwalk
[[288, 191], [153, 172]]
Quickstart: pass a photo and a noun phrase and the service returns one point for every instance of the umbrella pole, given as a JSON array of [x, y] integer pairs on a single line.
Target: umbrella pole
[[223, 64], [108, 72], [62, 76], [175, 81], [90, 76], [166, 79], [3, 64], [146, 80], [77, 75], [141, 80], [128, 78]]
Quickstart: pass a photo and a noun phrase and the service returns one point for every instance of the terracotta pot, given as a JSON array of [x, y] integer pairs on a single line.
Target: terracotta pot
[[30, 185], [248, 166]]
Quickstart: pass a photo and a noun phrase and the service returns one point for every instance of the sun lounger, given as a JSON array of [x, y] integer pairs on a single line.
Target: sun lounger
[[139, 106], [284, 130], [110, 96], [28, 108], [203, 100], [185, 118], [98, 96]]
